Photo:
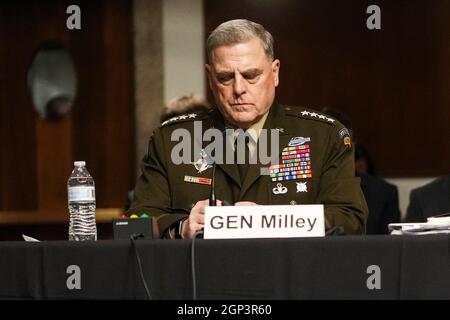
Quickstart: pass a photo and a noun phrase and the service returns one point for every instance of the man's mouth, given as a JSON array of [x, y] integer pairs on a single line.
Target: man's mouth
[[240, 104]]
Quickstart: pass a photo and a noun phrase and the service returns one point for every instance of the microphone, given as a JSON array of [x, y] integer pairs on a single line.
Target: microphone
[[212, 196]]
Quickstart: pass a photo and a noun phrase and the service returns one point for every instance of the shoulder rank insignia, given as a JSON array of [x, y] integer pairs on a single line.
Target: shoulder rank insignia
[[315, 115], [309, 114], [180, 117]]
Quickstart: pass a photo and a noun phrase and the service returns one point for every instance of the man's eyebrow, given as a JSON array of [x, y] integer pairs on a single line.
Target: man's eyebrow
[[253, 71], [224, 73]]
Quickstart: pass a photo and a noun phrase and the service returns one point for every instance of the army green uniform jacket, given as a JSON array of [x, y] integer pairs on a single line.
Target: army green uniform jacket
[[325, 175]]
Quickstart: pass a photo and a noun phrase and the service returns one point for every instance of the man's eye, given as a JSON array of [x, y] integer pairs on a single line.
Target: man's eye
[[251, 76], [224, 78]]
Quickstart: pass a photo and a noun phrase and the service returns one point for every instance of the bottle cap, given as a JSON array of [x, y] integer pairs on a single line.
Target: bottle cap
[[80, 163]]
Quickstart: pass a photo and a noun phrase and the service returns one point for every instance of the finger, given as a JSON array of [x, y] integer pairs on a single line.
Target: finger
[[198, 207], [195, 227], [245, 203], [226, 203], [201, 219]]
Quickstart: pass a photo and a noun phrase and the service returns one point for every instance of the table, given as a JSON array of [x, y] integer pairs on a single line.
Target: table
[[340, 267]]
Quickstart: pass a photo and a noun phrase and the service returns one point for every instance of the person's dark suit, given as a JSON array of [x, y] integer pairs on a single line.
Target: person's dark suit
[[429, 200], [382, 200]]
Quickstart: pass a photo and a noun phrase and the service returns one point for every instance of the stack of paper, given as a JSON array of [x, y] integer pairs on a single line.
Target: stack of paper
[[434, 225], [440, 219]]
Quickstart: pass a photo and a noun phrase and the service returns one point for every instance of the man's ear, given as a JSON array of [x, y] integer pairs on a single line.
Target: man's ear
[[275, 71]]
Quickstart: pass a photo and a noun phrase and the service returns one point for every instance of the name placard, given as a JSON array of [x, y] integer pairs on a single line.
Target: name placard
[[241, 222]]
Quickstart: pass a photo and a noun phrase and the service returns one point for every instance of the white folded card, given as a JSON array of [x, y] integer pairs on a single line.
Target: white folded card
[[240, 222]]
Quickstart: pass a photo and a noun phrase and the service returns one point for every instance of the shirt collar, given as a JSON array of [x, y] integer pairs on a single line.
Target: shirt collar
[[254, 130]]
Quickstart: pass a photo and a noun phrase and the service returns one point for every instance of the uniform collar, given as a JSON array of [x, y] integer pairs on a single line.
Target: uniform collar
[[276, 118], [254, 130]]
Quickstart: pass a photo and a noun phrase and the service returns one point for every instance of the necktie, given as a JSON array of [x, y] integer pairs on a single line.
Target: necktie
[[242, 167]]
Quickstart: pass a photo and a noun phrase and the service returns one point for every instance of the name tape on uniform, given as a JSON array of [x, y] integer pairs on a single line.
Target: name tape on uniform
[[246, 222]]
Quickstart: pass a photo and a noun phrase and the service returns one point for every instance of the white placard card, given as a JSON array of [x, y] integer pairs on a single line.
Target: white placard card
[[241, 222]]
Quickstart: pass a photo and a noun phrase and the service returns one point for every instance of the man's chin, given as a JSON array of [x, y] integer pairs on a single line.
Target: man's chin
[[244, 120]]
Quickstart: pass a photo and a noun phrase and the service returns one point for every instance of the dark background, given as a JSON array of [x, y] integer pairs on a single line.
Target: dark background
[[36, 155], [393, 83]]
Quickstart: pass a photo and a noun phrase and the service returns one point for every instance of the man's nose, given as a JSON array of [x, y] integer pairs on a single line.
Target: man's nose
[[239, 85]]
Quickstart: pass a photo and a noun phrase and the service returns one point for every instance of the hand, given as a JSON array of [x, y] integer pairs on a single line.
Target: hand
[[246, 203], [196, 219]]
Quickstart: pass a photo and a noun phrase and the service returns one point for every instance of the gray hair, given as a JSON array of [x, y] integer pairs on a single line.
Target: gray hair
[[239, 30]]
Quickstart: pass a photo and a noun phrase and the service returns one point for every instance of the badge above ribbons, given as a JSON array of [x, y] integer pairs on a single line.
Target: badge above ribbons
[[295, 161]]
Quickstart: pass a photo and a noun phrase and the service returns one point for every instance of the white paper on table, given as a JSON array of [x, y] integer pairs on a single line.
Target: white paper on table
[[29, 239]]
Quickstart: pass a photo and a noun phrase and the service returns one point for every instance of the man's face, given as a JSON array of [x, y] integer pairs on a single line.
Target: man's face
[[243, 81]]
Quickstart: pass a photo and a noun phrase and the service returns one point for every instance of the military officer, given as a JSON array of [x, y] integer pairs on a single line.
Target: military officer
[[315, 152]]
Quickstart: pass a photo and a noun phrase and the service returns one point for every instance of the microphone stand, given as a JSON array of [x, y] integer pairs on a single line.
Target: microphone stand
[[212, 196]]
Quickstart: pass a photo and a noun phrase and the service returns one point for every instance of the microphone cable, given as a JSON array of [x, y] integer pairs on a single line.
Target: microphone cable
[[212, 203], [336, 231], [194, 278], [133, 237]]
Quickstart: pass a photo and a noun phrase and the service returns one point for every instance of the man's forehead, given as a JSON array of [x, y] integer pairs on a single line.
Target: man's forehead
[[239, 63], [239, 68], [243, 53]]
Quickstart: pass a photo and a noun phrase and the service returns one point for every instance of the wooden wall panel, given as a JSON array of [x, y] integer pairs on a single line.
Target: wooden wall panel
[[37, 155], [54, 145], [18, 119], [119, 79], [89, 130], [393, 83], [2, 117]]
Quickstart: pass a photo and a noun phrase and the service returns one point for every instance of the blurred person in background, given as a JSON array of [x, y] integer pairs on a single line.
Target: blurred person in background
[[175, 107], [381, 196], [184, 104], [429, 200]]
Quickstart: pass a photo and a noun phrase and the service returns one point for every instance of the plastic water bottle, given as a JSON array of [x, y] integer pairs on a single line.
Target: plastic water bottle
[[81, 196]]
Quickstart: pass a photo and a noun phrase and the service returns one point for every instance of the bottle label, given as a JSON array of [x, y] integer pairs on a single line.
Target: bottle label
[[81, 194]]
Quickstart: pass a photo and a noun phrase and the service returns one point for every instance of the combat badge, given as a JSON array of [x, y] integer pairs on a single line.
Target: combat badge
[[296, 141]]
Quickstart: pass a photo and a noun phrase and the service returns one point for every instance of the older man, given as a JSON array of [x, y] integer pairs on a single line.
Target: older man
[[316, 155]]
